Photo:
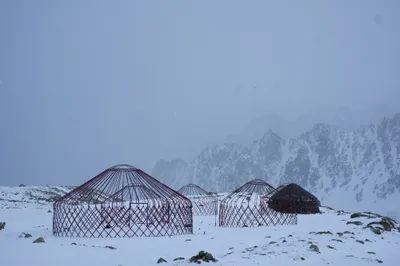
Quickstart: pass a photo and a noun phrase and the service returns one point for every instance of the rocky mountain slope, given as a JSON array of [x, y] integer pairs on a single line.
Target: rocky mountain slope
[[345, 168]]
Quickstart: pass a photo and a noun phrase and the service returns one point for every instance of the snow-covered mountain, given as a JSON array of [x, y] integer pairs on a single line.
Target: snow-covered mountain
[[353, 169]]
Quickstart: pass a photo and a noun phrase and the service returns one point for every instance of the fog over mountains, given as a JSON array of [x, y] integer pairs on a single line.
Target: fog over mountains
[[341, 116]]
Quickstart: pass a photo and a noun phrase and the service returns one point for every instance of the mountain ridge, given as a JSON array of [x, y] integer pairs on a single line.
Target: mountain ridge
[[360, 167], [340, 116]]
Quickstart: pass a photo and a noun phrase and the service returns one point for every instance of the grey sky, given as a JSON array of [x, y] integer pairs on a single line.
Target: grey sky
[[89, 84]]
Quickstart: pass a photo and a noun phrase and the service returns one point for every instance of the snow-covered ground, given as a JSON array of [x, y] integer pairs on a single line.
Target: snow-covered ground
[[339, 243]]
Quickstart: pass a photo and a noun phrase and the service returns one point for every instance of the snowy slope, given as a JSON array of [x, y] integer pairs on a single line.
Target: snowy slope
[[27, 197], [338, 243], [358, 169]]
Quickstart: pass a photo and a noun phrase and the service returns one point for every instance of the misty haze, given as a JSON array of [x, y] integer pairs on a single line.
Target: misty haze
[[213, 94]]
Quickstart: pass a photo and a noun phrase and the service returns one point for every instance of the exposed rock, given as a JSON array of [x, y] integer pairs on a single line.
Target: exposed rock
[[2, 225], [314, 248], [161, 260], [25, 235], [376, 215], [203, 256], [344, 233], [385, 224], [359, 214], [355, 223], [39, 240], [340, 212], [376, 230], [251, 248], [322, 233]]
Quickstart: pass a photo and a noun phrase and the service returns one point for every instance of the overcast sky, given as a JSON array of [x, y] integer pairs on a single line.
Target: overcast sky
[[88, 84]]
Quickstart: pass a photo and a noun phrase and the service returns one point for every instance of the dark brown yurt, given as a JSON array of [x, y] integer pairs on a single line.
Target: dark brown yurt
[[291, 198]]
